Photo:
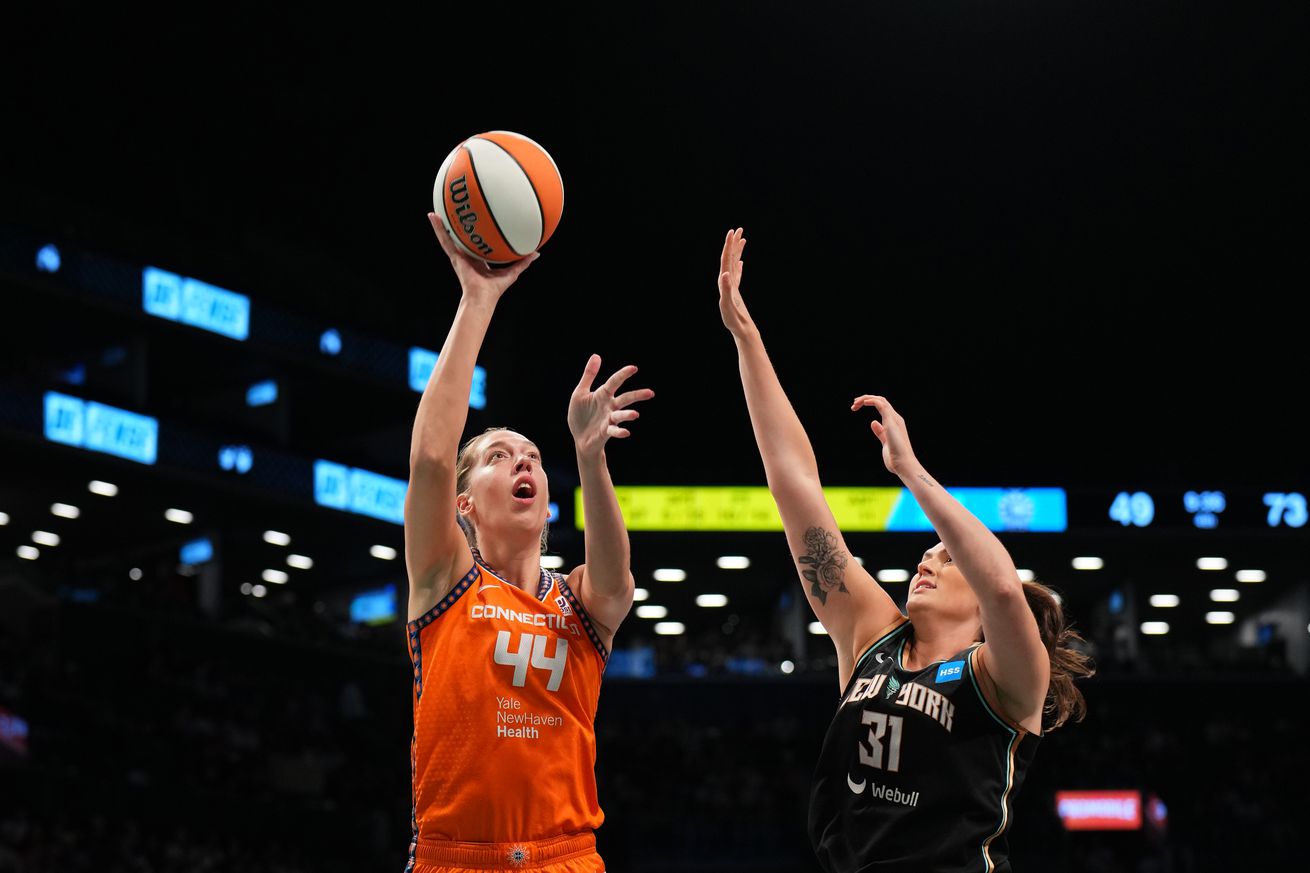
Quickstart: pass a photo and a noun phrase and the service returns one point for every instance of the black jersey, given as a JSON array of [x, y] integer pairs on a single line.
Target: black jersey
[[918, 772]]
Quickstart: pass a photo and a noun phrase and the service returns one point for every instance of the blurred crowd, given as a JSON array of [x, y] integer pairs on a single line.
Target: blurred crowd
[[165, 741]]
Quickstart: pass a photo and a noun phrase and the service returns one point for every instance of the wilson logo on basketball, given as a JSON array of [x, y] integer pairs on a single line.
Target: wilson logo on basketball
[[468, 219]]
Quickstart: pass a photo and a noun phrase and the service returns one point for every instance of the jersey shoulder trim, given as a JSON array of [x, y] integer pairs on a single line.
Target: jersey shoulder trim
[[983, 683], [446, 602], [414, 629], [576, 603], [883, 637]]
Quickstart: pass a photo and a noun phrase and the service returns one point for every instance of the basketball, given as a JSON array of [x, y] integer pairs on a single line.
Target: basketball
[[500, 196]]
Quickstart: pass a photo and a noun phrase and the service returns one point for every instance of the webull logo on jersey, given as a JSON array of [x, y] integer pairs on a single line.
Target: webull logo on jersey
[[882, 792], [952, 671]]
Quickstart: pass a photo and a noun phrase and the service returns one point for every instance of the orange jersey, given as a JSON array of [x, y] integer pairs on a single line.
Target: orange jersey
[[506, 684]]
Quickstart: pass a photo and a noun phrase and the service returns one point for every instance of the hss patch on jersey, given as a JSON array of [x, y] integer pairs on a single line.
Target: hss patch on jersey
[[563, 603]]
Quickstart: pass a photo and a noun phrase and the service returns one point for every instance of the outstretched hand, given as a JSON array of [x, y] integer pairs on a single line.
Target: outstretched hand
[[595, 416], [476, 278], [735, 316], [897, 455]]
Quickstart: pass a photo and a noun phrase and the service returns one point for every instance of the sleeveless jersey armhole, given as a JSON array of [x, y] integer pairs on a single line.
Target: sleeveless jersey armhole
[[576, 603], [446, 602], [878, 639], [983, 684]]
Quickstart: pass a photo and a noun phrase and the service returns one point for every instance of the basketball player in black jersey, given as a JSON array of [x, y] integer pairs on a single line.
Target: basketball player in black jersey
[[941, 711]]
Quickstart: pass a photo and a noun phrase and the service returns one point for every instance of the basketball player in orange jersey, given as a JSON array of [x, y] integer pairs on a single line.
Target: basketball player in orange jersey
[[507, 656], [941, 711]]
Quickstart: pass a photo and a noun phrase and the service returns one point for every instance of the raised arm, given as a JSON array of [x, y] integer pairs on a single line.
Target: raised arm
[[1019, 663], [604, 581], [853, 608], [436, 551]]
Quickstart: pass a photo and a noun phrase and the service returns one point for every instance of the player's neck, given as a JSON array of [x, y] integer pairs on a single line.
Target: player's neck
[[516, 563], [935, 641]]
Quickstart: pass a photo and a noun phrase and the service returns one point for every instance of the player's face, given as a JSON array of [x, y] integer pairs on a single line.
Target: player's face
[[940, 583], [507, 483]]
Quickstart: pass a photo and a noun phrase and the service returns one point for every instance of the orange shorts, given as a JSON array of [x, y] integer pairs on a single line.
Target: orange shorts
[[571, 853]]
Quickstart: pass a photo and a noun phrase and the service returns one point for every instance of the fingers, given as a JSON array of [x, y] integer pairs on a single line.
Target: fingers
[[514, 270], [622, 415], [620, 376], [627, 398], [588, 375], [443, 235], [877, 401], [729, 260], [618, 432], [878, 430]]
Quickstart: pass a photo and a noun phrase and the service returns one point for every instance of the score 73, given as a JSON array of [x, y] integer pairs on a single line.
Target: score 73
[[1289, 508]]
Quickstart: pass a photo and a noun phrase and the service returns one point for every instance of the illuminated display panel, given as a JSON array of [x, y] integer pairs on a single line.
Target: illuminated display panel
[[1099, 810], [751, 508], [100, 428]]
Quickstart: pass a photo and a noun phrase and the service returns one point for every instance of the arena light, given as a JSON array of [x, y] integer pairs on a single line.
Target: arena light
[[275, 577], [670, 628], [1088, 563], [197, 551], [45, 538], [4, 519], [1155, 628], [135, 574], [178, 516], [817, 628], [711, 601], [258, 590], [733, 562], [104, 489], [245, 587], [1219, 617], [670, 574], [383, 553], [640, 594], [262, 393], [1225, 595], [651, 611], [787, 667], [1251, 575], [552, 562], [29, 553], [1027, 576], [891, 576], [65, 510], [1212, 563], [1164, 601], [276, 538], [300, 562]]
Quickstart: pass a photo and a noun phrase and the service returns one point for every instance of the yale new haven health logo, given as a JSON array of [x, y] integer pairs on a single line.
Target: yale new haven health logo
[[951, 671]]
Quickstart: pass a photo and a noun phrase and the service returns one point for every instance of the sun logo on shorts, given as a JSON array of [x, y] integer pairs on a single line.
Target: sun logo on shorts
[[517, 855]]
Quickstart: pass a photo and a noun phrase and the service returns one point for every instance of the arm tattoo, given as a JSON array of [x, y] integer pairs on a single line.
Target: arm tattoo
[[827, 564], [927, 481]]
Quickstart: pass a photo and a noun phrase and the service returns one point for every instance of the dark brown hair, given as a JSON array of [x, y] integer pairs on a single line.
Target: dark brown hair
[[1069, 658]]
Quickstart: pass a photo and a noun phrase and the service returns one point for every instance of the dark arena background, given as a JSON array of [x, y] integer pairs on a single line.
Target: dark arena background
[[1065, 239]]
